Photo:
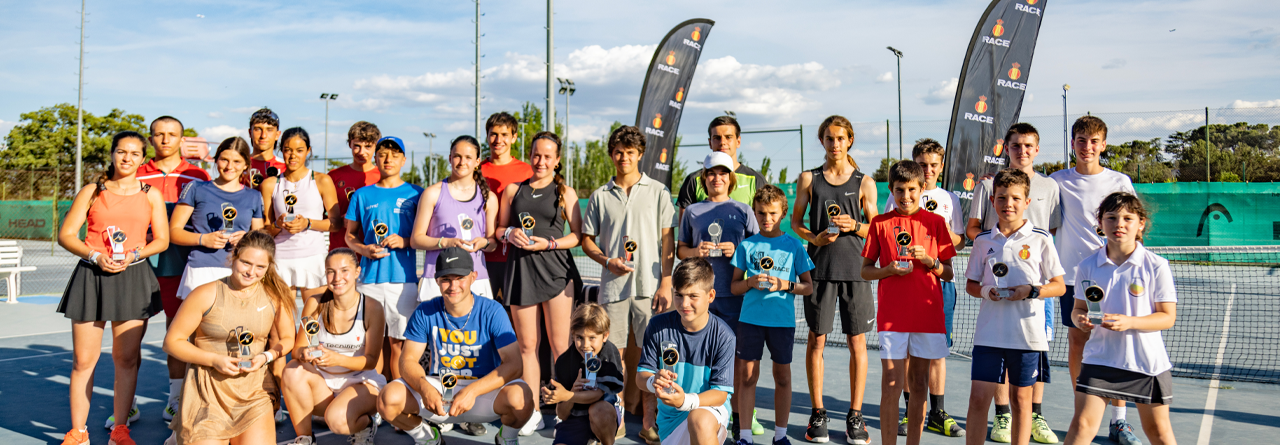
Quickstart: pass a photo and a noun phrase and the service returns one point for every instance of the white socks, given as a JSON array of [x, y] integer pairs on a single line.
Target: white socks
[[507, 432], [175, 389], [746, 434], [420, 432], [1117, 413], [779, 432]]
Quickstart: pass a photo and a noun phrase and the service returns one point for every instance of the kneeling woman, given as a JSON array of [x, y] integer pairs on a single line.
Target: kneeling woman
[[337, 378], [227, 331]]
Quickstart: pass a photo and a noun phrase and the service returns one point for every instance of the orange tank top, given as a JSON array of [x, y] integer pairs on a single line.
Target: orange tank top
[[129, 214]]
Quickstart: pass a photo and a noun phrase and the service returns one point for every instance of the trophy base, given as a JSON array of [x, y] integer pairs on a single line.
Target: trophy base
[[715, 253], [833, 230], [246, 364], [762, 286], [117, 257], [289, 218], [1095, 319], [315, 354], [902, 264], [1006, 294]]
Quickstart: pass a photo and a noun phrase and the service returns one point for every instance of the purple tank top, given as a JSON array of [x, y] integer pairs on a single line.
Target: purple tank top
[[454, 219]]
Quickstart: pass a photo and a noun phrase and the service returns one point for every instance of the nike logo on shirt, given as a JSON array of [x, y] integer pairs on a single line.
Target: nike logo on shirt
[[537, 196], [264, 307], [849, 193]]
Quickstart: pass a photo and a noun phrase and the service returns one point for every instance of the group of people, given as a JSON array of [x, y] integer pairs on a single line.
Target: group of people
[[455, 344]]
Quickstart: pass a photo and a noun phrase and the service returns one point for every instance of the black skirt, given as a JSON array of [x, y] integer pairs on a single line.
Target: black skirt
[[94, 295], [1123, 384], [536, 277]]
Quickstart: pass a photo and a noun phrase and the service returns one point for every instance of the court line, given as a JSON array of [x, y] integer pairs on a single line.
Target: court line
[[68, 352], [1211, 400], [58, 332]]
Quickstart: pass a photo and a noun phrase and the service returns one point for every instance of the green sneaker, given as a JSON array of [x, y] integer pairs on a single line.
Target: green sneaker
[[756, 428], [902, 426], [1000, 430], [134, 414], [1040, 431], [941, 422]]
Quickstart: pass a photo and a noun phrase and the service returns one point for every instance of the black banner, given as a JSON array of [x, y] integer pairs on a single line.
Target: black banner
[[666, 87], [989, 96]]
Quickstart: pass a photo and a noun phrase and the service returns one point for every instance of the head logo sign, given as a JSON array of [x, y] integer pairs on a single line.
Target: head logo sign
[[998, 30], [1015, 73], [999, 148]]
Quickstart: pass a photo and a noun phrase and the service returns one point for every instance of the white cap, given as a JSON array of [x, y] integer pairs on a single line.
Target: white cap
[[718, 159]]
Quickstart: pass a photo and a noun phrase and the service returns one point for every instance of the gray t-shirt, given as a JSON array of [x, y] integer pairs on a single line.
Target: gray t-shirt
[[612, 215], [1044, 210]]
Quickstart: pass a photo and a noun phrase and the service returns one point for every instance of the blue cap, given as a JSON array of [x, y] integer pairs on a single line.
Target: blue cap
[[397, 144]]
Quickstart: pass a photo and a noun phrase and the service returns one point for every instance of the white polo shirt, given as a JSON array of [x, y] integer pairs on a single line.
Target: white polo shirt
[[1032, 259], [613, 214], [1132, 288], [1081, 195]]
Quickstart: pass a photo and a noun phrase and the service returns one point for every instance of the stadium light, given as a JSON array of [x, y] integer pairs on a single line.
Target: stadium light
[[431, 139], [567, 88], [327, 97], [898, 54]]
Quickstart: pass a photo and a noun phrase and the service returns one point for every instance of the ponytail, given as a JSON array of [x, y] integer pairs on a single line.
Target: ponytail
[[110, 173], [475, 174], [559, 179], [852, 162]]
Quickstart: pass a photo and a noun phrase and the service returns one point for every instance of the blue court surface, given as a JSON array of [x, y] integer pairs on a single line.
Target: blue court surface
[[35, 362]]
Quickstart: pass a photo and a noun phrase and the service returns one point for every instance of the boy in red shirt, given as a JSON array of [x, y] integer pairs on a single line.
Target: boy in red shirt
[[264, 131], [501, 169], [361, 138], [914, 251]]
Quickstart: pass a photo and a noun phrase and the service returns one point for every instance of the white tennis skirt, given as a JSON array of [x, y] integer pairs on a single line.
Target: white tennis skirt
[[193, 277], [306, 272]]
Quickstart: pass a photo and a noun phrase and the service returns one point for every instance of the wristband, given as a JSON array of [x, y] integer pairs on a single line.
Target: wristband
[[648, 384], [93, 256], [200, 240], [507, 233], [690, 402], [308, 224], [439, 243], [271, 356], [986, 291]]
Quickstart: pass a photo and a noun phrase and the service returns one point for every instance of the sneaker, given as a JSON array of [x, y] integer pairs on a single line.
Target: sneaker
[[473, 429], [743, 442], [534, 424], [622, 426], [756, 428], [377, 419], [650, 436], [446, 427], [855, 430], [942, 422], [134, 414], [1000, 429], [498, 440], [437, 438], [902, 426], [734, 432], [172, 440], [303, 440], [782, 441], [1122, 433], [120, 436], [817, 430], [1040, 431], [281, 415], [364, 436], [76, 437], [170, 410]]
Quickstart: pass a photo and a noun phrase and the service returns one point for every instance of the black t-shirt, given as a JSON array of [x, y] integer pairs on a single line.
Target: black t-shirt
[[691, 191], [608, 379]]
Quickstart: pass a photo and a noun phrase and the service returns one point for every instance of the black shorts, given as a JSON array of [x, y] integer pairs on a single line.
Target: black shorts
[[752, 340], [1122, 384], [856, 305], [576, 430], [1066, 304], [497, 278]]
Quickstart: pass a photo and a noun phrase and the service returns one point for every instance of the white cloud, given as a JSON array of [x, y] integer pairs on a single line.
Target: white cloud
[[5, 126], [778, 91], [587, 132], [215, 115], [1237, 104], [942, 93], [1029, 98], [886, 77], [460, 125], [244, 110], [1114, 64], [1169, 122], [218, 133]]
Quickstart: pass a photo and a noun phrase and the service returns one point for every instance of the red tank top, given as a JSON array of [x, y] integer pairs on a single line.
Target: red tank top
[[130, 214]]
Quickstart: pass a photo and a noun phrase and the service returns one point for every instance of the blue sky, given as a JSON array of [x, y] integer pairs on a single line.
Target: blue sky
[[408, 66]]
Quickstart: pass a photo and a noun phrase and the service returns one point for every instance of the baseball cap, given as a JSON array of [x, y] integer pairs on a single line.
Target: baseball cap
[[398, 144], [718, 159], [454, 261]]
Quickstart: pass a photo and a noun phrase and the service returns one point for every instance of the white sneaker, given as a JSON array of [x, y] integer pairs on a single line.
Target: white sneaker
[[446, 427], [534, 424], [171, 409], [281, 415], [364, 436], [303, 440], [437, 439], [134, 414], [173, 439], [498, 440], [377, 419]]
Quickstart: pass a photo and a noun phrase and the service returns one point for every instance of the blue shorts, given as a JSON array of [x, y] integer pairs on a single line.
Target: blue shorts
[[752, 340], [1067, 303], [948, 305], [990, 365], [728, 309]]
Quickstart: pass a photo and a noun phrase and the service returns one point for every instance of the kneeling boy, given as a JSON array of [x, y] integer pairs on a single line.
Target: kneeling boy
[[588, 381]]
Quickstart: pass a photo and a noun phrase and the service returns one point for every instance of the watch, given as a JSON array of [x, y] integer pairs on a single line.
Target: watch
[[791, 286], [1035, 292]]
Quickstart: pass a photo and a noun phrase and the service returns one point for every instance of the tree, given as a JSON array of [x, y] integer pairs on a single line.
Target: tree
[[45, 139], [1141, 160], [1249, 152], [782, 176], [1047, 168], [882, 173], [765, 164]]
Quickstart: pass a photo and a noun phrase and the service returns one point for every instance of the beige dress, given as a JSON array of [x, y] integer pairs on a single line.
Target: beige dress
[[216, 406]]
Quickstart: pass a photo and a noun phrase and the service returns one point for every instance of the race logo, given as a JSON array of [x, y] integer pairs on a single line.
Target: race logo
[[246, 338], [1032, 2], [657, 120], [1025, 253], [630, 246], [290, 199], [999, 148], [662, 157], [998, 30], [1015, 73], [833, 210], [1094, 294], [381, 229], [697, 30], [671, 58], [229, 213], [968, 182], [680, 95], [765, 263], [118, 237], [981, 106]]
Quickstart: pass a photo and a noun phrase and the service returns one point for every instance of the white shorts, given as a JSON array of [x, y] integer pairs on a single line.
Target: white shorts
[[398, 302], [305, 272], [193, 277], [481, 412], [339, 382], [897, 345], [428, 289], [680, 435]]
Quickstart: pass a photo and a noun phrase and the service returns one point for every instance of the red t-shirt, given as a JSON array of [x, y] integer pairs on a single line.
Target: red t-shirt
[[346, 179], [170, 184], [499, 177], [260, 170], [912, 302]]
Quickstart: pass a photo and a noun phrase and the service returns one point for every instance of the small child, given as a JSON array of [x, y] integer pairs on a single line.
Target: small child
[[770, 268], [914, 251], [585, 397], [1012, 268], [1126, 359], [687, 361]]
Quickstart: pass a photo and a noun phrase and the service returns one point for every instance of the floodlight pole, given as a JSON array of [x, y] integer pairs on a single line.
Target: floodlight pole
[[80, 108], [551, 68], [477, 68], [899, 56], [1066, 139]]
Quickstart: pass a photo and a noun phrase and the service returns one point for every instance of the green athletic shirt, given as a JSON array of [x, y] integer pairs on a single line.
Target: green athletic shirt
[[749, 181]]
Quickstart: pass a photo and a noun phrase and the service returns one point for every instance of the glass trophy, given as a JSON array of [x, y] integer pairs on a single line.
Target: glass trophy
[[1001, 272], [311, 326], [1093, 296], [349, 192], [228, 217], [670, 357], [833, 210], [629, 246], [466, 224], [290, 200], [380, 231], [714, 231], [527, 223], [904, 245], [117, 238], [765, 264], [245, 338], [593, 365]]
